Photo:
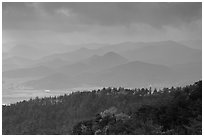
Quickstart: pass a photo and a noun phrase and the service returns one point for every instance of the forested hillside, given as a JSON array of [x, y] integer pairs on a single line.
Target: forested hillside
[[177, 110]]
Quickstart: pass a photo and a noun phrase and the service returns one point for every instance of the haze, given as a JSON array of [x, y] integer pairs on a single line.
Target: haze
[[52, 46]]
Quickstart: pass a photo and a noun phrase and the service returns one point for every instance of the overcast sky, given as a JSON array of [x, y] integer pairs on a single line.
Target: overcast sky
[[75, 23]]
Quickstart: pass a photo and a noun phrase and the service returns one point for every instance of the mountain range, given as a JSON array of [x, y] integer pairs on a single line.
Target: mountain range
[[126, 64]]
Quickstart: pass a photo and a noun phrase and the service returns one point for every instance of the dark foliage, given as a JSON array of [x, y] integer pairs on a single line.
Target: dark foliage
[[109, 111]]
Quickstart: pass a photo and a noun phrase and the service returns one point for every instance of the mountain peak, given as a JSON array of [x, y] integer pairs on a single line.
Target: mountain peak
[[111, 54], [113, 57]]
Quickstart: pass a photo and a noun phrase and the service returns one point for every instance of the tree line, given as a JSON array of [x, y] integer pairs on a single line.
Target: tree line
[[176, 110]]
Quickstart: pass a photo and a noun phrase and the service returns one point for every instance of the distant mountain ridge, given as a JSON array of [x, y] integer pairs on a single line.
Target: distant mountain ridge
[[126, 64], [94, 63], [164, 53], [15, 62], [74, 56], [129, 74]]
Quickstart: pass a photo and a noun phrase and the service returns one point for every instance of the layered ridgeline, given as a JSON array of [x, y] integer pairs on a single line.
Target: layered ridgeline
[[176, 110], [127, 64]]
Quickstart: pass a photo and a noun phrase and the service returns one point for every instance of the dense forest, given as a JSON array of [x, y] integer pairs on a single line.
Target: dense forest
[[176, 110]]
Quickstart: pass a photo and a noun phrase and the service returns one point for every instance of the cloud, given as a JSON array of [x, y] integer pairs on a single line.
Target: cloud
[[99, 22], [155, 14]]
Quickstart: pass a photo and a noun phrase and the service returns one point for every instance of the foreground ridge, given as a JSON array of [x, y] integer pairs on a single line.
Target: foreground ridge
[[109, 111]]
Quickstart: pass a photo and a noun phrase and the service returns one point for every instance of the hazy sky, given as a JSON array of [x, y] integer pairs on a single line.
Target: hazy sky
[[75, 23]]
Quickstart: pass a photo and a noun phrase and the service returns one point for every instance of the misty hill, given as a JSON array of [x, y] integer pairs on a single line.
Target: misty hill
[[94, 63], [71, 57], [53, 63], [78, 74], [120, 47], [54, 81], [74, 69], [135, 74], [39, 71], [164, 53], [108, 58], [26, 51], [195, 44], [129, 75], [15, 62], [191, 71]]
